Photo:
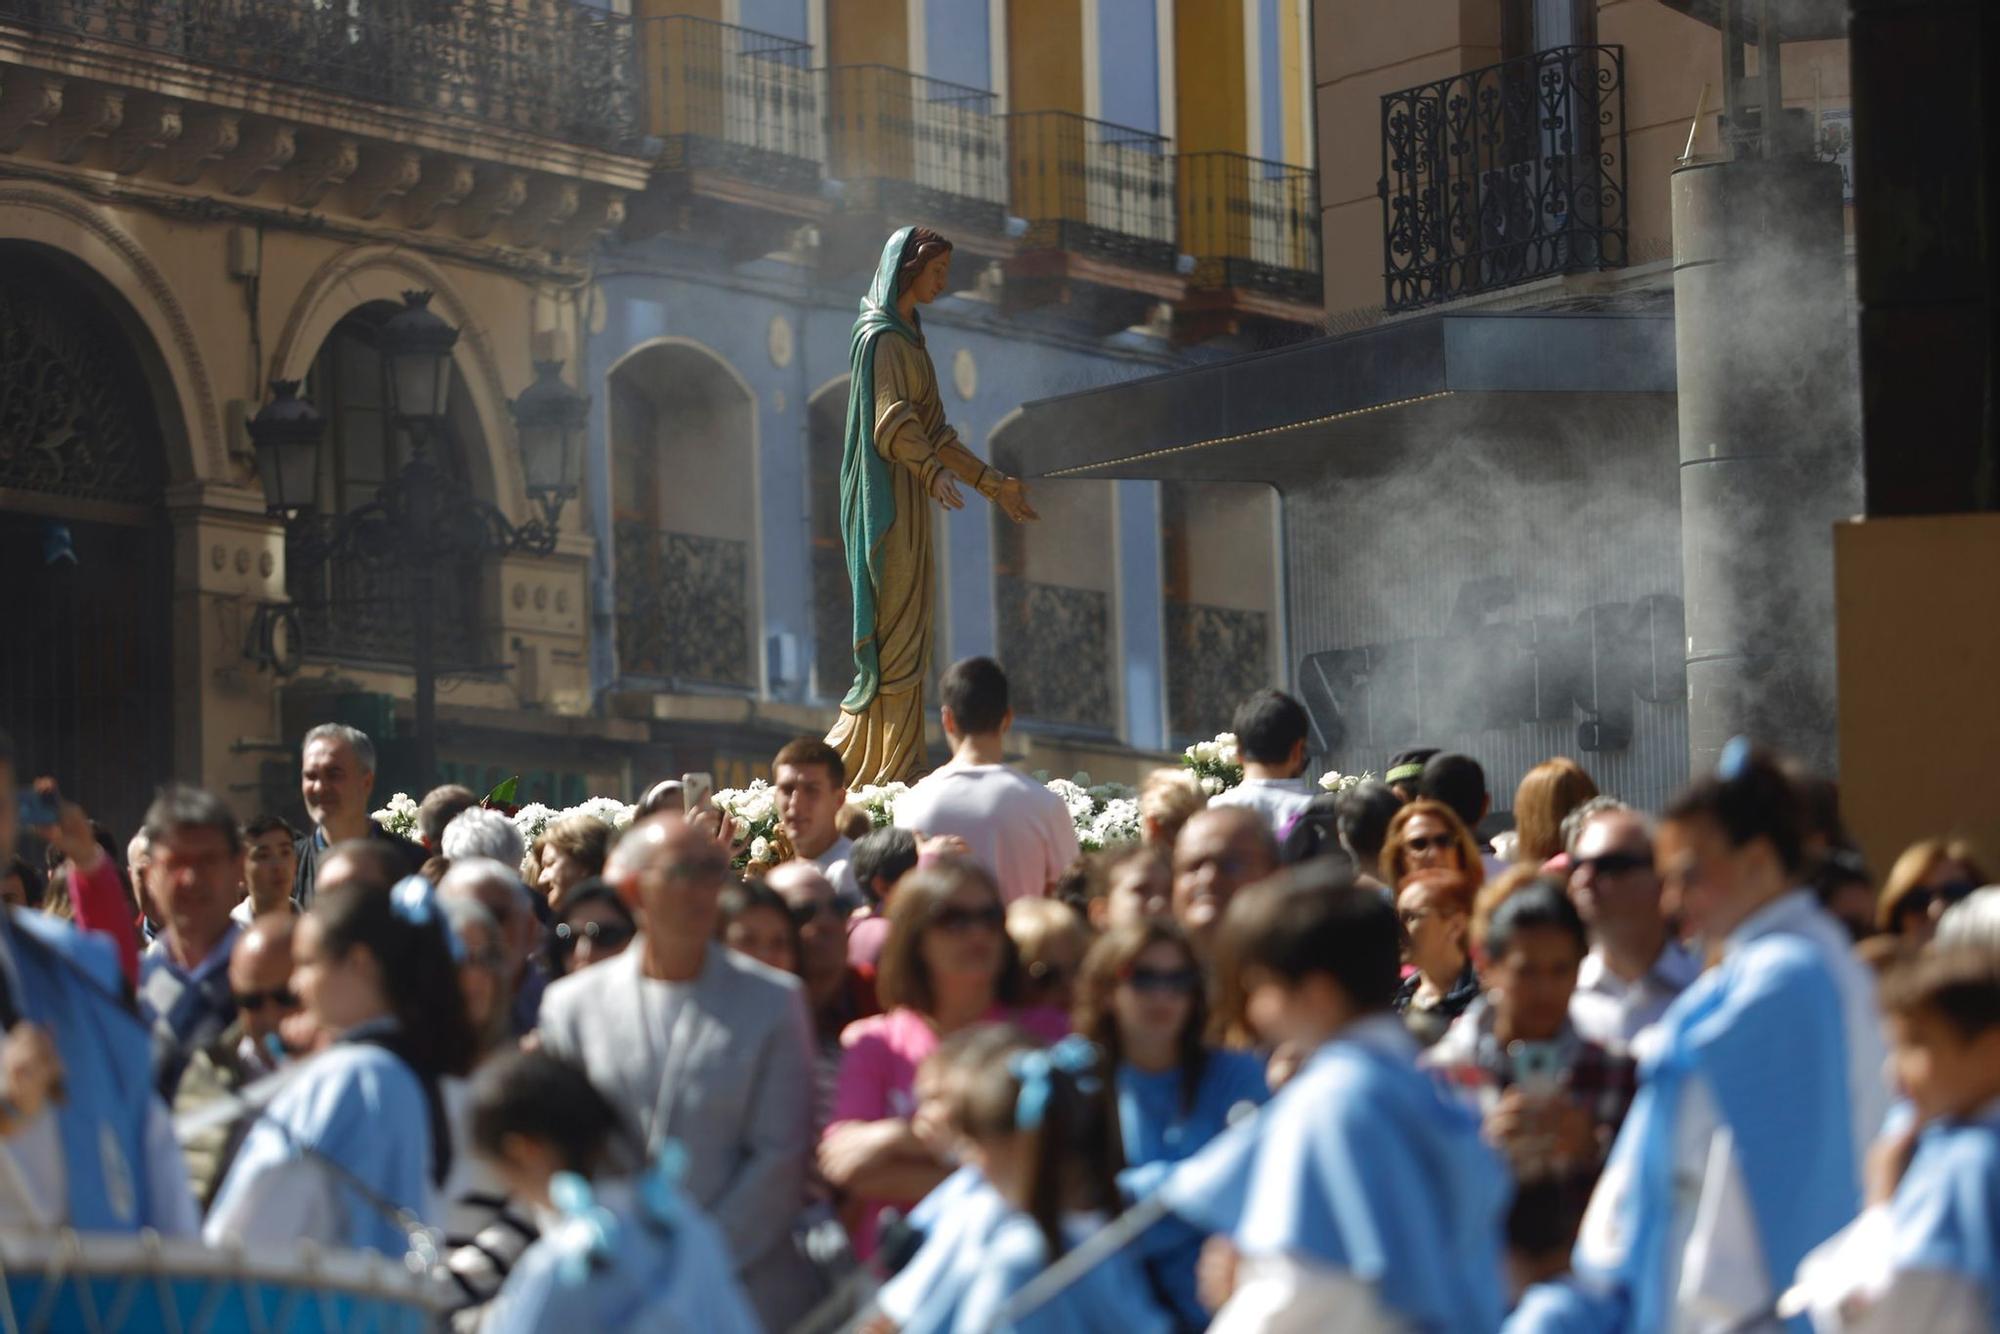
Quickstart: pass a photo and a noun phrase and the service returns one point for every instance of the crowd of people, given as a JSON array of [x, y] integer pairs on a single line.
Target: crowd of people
[[1368, 1060]]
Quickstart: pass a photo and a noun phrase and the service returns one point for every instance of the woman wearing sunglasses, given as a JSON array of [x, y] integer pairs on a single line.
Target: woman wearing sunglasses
[[946, 966], [1142, 999], [1927, 879], [595, 925], [1428, 836]]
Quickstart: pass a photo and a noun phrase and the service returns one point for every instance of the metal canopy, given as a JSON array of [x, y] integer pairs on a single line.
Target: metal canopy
[[1794, 20], [1349, 405]]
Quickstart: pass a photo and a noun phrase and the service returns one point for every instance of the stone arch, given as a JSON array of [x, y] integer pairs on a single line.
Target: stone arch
[[354, 278], [1055, 597], [686, 548], [169, 352]]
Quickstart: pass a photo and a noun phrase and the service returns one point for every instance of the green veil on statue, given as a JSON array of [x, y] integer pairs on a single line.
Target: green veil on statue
[[899, 455]]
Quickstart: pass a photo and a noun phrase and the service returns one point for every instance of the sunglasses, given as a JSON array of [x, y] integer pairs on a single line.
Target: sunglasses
[[1164, 981], [1920, 900], [1426, 842], [604, 935], [956, 920], [282, 997], [1614, 863]]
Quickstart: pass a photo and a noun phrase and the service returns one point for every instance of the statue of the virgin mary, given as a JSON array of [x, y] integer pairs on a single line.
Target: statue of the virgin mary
[[899, 455]]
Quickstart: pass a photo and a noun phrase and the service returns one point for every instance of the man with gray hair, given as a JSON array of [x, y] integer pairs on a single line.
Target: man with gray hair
[[336, 779], [696, 1043], [496, 885], [482, 833]]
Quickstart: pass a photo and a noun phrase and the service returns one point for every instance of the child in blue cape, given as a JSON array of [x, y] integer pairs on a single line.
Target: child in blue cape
[[613, 1255], [351, 1150], [1361, 1191], [1762, 1091], [1041, 1127], [1930, 1257]]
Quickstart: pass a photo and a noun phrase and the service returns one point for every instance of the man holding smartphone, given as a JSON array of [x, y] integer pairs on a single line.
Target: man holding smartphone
[[1550, 1100]]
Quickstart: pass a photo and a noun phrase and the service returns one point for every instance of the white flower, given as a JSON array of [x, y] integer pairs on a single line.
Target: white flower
[[399, 816], [532, 819], [1213, 786], [760, 849]]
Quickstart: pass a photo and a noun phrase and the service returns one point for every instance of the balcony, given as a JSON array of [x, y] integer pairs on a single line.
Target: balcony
[[1504, 175], [1252, 227], [522, 111], [918, 150], [552, 68], [1099, 202], [738, 114]]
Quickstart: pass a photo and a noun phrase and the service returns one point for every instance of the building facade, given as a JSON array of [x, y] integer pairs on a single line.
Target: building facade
[[681, 203], [1482, 470]]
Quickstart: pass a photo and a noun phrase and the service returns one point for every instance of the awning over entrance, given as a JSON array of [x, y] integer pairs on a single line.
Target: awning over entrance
[[1351, 405]]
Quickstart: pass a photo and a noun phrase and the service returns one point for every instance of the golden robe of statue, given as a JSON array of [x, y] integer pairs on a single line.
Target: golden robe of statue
[[897, 456], [885, 744]]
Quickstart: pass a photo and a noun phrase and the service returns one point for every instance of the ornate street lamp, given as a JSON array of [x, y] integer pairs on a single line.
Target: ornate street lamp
[[423, 519], [286, 432], [416, 346], [550, 418]]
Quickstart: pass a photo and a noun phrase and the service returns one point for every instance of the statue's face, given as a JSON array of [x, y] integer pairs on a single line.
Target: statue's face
[[932, 279]]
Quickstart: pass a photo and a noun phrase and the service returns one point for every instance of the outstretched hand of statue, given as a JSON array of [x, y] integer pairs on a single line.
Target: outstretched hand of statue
[[1012, 498], [945, 491]]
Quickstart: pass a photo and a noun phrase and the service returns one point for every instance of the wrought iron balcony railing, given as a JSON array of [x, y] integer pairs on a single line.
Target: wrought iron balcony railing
[[936, 149], [1092, 187], [1252, 224], [1504, 174], [736, 101], [557, 68]]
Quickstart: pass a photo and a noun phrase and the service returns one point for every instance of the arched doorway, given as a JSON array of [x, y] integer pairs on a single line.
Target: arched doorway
[[684, 519], [357, 609], [1055, 586], [86, 661]]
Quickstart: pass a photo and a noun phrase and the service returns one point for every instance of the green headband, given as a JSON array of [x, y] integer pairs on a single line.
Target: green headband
[[1403, 773]]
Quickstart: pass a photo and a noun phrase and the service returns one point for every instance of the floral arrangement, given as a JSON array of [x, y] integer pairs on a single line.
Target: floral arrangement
[[1105, 814], [1215, 763]]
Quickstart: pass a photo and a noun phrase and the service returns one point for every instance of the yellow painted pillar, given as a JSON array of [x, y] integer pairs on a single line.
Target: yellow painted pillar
[[1211, 96], [1045, 74], [868, 32]]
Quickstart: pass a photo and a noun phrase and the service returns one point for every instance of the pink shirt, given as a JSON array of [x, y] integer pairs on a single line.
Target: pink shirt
[[878, 1076]]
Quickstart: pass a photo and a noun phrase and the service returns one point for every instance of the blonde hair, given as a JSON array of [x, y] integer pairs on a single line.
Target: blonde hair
[[1168, 799], [1034, 924], [1551, 790], [1496, 892], [1915, 866]]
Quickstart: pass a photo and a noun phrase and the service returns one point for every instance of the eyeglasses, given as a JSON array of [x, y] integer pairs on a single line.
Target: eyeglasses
[[956, 920], [601, 935], [1426, 842], [1164, 981], [1613, 863], [282, 997]]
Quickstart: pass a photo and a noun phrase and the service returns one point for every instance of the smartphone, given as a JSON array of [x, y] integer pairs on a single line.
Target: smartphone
[[1537, 1066], [697, 791], [38, 809]]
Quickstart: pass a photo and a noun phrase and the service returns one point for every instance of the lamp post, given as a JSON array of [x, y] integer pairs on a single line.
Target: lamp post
[[424, 516]]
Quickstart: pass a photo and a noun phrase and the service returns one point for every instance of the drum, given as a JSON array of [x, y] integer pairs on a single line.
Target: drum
[[81, 1283]]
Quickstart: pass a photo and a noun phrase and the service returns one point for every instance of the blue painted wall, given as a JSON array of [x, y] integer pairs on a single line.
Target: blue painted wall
[[1270, 78], [1128, 55], [732, 317], [958, 44], [787, 18]]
